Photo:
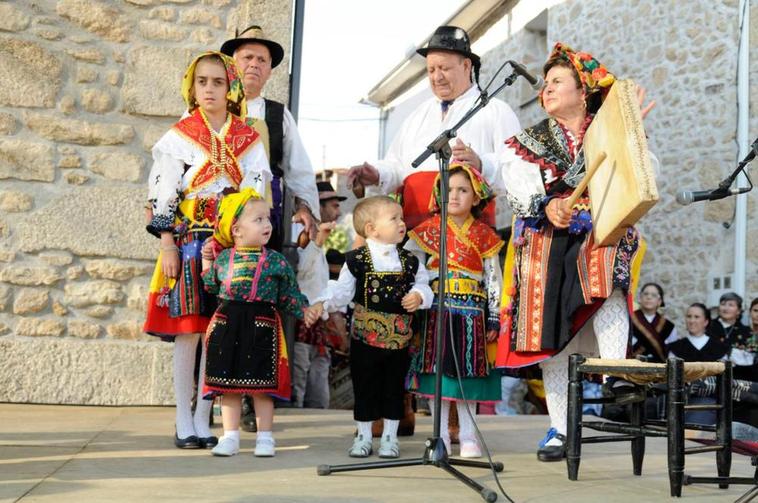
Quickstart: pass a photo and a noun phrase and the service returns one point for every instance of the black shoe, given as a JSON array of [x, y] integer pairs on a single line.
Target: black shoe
[[623, 392], [207, 442], [190, 442], [553, 452]]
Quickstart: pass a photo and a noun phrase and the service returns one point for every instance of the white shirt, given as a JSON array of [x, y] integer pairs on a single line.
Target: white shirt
[[384, 258], [298, 171], [312, 271], [485, 133]]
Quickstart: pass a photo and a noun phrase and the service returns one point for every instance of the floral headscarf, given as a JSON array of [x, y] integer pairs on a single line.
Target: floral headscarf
[[593, 75], [481, 188], [229, 210], [236, 103]]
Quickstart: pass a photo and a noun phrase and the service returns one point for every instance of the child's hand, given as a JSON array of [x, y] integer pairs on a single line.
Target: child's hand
[[313, 313], [207, 251], [412, 301], [491, 335], [170, 262]]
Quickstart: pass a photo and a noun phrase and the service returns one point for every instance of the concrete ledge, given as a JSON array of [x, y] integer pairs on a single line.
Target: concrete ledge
[[71, 371]]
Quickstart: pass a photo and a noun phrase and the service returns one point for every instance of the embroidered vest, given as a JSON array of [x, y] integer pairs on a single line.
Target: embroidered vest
[[379, 319]]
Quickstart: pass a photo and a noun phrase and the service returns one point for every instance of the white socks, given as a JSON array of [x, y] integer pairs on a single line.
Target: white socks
[[233, 434], [390, 429], [364, 429], [184, 366], [444, 417], [466, 433], [202, 407]]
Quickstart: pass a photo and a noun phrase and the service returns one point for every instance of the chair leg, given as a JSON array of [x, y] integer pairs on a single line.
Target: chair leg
[[637, 418], [675, 424], [724, 423], [574, 417]]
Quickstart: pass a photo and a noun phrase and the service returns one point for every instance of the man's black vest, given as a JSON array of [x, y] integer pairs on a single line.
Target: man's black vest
[[275, 123]]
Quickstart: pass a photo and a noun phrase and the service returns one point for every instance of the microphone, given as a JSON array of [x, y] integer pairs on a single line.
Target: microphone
[[685, 197], [535, 82]]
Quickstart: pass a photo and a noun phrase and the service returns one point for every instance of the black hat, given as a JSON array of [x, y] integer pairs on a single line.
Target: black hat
[[254, 35], [453, 39], [327, 192]]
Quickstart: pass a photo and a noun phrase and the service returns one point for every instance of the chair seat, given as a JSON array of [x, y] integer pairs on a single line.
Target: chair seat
[[638, 372]]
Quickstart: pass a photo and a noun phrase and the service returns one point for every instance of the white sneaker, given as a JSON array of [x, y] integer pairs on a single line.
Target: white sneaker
[[265, 447], [389, 448], [361, 447], [226, 447], [470, 449]]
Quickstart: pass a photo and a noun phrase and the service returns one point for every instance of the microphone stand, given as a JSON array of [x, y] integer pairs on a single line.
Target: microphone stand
[[729, 180], [435, 453]]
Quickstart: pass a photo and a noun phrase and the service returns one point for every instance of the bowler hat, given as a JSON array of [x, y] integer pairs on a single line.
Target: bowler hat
[[450, 38]]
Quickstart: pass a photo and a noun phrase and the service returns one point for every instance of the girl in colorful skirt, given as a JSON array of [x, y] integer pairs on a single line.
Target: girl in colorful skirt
[[205, 155], [473, 296], [246, 350]]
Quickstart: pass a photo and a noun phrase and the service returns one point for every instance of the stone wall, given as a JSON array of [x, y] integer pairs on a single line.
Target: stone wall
[[86, 88], [685, 54]]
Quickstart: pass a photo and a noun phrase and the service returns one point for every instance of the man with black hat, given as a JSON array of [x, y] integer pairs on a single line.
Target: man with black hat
[[453, 72], [312, 358], [256, 55]]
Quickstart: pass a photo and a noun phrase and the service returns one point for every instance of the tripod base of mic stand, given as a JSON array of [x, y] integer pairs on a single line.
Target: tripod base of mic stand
[[435, 454]]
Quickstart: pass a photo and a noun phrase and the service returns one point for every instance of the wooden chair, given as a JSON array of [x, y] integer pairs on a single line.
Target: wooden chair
[[673, 374], [740, 447]]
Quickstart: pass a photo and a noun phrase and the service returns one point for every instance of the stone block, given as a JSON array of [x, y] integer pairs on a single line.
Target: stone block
[[30, 300], [96, 17], [59, 309], [88, 55], [5, 296], [12, 19], [164, 13], [56, 258], [25, 160], [130, 331], [69, 162], [92, 292], [67, 105], [85, 74], [85, 372], [74, 272], [203, 36], [201, 16], [99, 312], [136, 297], [151, 134], [151, 79], [29, 75], [76, 178], [12, 201], [83, 329], [113, 77], [40, 327], [118, 166], [29, 276], [78, 131], [49, 34], [7, 255], [118, 270], [59, 224], [96, 101], [159, 30], [7, 123]]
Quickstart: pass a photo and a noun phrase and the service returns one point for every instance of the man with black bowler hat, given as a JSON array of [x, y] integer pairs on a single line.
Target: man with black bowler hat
[[453, 73]]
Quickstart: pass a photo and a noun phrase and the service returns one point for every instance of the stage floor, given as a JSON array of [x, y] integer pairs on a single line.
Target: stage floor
[[88, 454]]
